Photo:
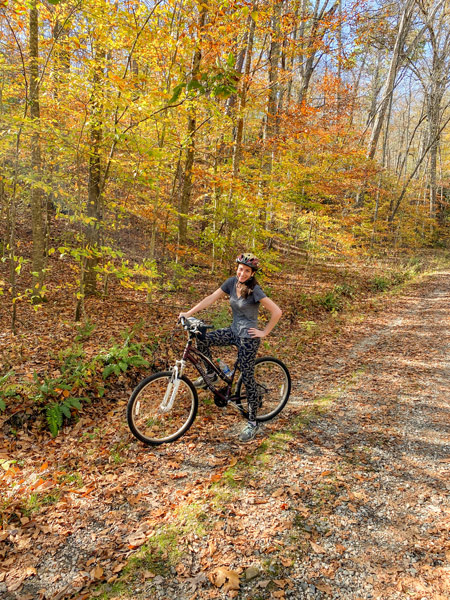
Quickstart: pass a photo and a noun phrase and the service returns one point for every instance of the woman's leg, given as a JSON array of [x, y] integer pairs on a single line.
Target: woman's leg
[[248, 347], [219, 337]]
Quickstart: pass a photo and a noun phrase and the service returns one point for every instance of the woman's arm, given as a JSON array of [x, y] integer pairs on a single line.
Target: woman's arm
[[219, 293], [275, 314]]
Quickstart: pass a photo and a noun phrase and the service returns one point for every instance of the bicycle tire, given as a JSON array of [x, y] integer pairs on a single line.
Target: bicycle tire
[[274, 379], [153, 426]]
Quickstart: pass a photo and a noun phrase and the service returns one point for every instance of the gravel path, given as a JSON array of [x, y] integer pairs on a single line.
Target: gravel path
[[349, 501]]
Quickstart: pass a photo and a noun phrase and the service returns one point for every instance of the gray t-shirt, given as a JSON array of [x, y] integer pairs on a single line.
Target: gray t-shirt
[[245, 310]]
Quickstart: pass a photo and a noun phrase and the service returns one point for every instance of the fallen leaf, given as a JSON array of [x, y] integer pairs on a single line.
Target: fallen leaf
[[212, 547], [149, 575], [96, 573], [317, 548], [324, 587], [119, 567], [221, 576]]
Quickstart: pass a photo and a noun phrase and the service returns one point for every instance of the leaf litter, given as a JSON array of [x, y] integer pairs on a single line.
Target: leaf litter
[[344, 495]]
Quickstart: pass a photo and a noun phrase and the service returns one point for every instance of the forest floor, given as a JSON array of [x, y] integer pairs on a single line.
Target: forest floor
[[343, 496]]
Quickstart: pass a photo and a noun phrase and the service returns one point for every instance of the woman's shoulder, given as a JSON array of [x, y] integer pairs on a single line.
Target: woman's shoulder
[[258, 293], [227, 285]]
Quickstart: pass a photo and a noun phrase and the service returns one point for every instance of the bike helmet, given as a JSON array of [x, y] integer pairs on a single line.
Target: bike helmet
[[248, 260]]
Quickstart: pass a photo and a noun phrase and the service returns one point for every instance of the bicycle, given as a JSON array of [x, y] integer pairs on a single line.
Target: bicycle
[[163, 406]]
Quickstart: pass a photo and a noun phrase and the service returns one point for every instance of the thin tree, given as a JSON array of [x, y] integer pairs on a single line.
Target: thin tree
[[37, 196]]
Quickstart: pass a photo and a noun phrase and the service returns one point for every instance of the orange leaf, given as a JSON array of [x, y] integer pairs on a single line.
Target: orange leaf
[[37, 483], [226, 578]]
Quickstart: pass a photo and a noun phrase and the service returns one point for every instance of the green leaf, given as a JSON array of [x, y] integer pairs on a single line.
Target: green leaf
[[231, 59], [74, 403], [194, 84], [107, 371], [54, 418], [177, 92], [138, 361], [66, 410]]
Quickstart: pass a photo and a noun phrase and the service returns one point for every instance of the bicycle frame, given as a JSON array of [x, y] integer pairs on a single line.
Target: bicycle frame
[[197, 358]]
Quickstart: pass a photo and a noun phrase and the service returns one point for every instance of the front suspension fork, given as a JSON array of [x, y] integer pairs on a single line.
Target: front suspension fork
[[172, 387]]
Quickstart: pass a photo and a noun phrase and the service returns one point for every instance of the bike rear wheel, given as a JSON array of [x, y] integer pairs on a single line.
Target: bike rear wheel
[[160, 411], [274, 386]]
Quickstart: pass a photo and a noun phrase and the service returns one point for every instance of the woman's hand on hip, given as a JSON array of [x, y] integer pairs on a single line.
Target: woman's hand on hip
[[256, 333]]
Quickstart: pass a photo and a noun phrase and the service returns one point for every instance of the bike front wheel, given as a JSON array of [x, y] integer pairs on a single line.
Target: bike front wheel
[[274, 386], [161, 410]]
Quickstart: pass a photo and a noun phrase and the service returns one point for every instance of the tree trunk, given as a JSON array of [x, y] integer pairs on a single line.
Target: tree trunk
[[94, 204], [37, 199], [237, 148], [270, 120], [388, 87], [312, 42], [186, 189]]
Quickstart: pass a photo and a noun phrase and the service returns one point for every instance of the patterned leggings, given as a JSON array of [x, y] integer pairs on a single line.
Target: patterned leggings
[[247, 349]]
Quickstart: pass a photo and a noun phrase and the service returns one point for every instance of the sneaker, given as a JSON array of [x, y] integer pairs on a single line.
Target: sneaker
[[200, 383], [249, 432]]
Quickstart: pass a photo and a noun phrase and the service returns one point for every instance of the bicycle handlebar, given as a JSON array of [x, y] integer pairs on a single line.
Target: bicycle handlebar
[[194, 325]]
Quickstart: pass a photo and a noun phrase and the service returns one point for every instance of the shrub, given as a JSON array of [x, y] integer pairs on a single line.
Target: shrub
[[7, 390], [380, 283]]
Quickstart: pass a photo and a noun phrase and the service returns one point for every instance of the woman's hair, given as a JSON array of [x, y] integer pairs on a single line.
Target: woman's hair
[[248, 286]]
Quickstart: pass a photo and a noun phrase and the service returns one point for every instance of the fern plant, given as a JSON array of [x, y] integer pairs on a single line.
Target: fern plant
[[120, 358], [56, 412]]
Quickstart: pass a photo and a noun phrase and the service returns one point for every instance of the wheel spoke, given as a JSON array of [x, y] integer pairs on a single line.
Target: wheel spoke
[[273, 384], [152, 418]]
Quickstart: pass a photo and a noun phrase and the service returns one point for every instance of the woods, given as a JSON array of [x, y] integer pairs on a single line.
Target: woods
[[144, 144], [321, 125]]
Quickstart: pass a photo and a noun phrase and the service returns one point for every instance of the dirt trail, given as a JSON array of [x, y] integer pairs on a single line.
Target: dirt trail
[[350, 500]]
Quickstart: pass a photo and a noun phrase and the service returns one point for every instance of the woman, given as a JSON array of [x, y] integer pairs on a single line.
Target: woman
[[245, 298]]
